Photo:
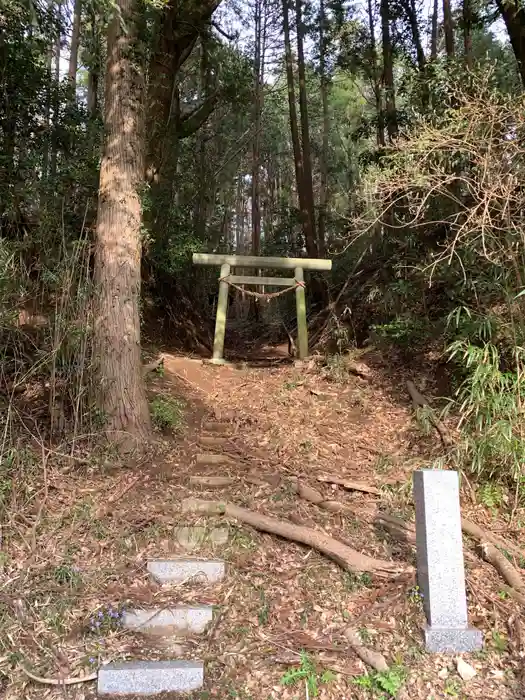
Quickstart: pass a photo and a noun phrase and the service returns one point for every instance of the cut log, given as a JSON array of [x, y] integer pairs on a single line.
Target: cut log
[[346, 557], [348, 484]]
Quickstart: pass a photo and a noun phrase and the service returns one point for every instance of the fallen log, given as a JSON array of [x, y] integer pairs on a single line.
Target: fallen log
[[346, 557], [404, 531]]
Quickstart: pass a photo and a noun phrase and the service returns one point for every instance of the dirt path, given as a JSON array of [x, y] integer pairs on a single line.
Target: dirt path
[[279, 600]]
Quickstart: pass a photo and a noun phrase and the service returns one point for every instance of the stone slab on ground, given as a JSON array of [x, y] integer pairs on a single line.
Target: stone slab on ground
[[150, 677], [181, 570], [182, 619], [191, 537], [440, 564]]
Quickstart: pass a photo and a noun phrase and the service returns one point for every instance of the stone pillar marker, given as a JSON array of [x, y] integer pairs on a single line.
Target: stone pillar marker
[[440, 565]]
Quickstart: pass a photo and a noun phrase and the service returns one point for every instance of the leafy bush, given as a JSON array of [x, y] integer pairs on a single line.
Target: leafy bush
[[167, 412]]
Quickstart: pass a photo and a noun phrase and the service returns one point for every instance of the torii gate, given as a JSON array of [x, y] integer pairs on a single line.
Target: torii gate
[[296, 282]]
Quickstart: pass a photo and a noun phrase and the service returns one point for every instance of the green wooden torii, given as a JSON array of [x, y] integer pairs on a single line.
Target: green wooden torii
[[297, 282]]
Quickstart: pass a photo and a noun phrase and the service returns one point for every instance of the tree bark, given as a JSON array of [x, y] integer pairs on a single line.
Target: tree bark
[[121, 390], [323, 188], [388, 72], [513, 13], [310, 242], [294, 130], [256, 145], [75, 42], [434, 32], [177, 35], [448, 26], [378, 93], [467, 32]]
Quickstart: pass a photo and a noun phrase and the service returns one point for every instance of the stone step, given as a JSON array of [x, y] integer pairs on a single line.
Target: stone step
[[181, 570], [192, 537], [211, 459], [213, 440], [182, 619], [150, 678]]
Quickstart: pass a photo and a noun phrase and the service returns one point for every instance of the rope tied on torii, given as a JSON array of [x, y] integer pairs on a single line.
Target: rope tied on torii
[[266, 296]]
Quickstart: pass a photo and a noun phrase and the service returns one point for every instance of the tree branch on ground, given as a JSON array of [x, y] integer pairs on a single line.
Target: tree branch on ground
[[346, 557]]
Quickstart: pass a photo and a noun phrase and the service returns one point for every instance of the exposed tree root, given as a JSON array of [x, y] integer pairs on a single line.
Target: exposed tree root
[[404, 531], [420, 401], [146, 369], [372, 658], [211, 482], [347, 558], [349, 485]]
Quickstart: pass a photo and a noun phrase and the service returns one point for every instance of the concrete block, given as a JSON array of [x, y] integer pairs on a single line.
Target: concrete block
[[180, 570], [183, 619], [150, 677]]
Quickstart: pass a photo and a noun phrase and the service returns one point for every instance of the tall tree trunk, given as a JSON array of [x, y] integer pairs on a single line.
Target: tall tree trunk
[[256, 146], [388, 73], [378, 92], [448, 26], [75, 42], [294, 129], [467, 32], [122, 395], [513, 13], [410, 9], [310, 242], [323, 188], [434, 32]]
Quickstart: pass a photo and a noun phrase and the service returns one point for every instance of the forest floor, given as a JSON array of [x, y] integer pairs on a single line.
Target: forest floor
[[79, 533]]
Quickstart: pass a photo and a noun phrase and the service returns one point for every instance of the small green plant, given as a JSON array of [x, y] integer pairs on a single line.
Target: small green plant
[[499, 641], [452, 687], [167, 412], [354, 582], [385, 684], [264, 610], [415, 595], [308, 673], [491, 495], [67, 574]]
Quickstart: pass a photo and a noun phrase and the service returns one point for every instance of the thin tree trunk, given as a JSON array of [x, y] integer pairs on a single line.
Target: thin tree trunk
[[378, 93], [434, 31], [388, 72], [294, 129], [256, 194], [323, 189], [310, 242], [56, 98], [121, 390], [467, 32], [411, 11], [448, 26], [75, 42]]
